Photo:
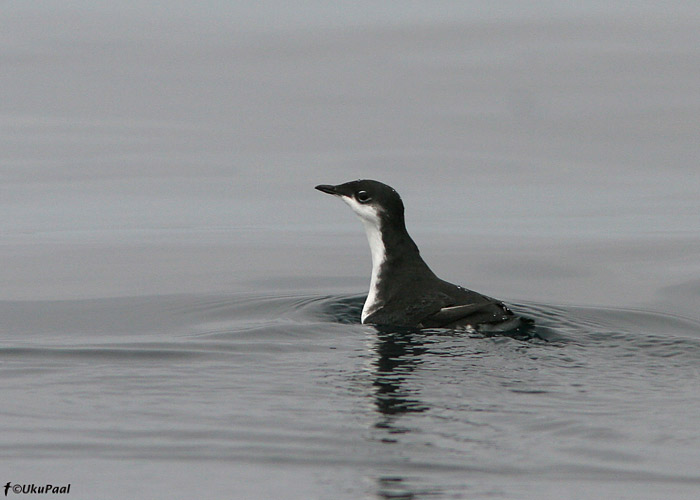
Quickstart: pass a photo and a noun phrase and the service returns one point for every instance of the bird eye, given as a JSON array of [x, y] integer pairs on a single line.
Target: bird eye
[[362, 196]]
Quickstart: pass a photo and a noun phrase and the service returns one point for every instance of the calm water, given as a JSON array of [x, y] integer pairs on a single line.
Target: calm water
[[179, 309]]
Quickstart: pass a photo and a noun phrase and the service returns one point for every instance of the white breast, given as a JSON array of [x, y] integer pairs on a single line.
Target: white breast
[[376, 245], [371, 221]]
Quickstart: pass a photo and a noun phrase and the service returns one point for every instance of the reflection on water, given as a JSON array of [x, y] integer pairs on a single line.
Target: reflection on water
[[397, 355], [398, 351], [399, 488]]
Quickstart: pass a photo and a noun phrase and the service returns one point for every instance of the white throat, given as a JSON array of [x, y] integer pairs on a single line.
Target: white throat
[[371, 221]]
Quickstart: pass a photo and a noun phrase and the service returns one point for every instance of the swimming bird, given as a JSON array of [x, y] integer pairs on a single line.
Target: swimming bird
[[403, 290]]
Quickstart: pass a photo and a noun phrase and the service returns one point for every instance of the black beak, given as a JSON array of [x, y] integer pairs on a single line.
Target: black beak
[[327, 188]]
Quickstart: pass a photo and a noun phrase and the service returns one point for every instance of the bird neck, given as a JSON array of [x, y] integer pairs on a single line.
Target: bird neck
[[394, 254], [392, 248]]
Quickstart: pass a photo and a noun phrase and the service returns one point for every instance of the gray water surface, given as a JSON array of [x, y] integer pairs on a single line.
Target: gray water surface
[[292, 382], [179, 308]]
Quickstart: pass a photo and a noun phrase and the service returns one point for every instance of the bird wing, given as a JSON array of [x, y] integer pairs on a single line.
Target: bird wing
[[467, 308], [445, 306], [448, 315]]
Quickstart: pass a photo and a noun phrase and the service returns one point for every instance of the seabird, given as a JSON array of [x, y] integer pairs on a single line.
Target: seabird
[[403, 290]]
